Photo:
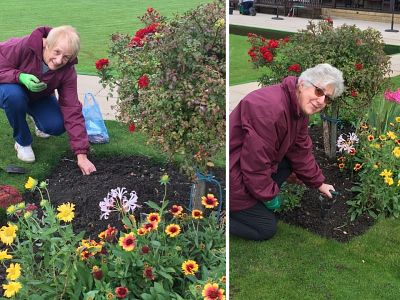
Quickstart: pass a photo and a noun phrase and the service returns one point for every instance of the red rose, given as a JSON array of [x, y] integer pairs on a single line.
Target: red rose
[[132, 127], [354, 93], [150, 10], [358, 66], [273, 43], [143, 81], [286, 39], [264, 49], [268, 56], [295, 68], [121, 292], [136, 42], [101, 63]]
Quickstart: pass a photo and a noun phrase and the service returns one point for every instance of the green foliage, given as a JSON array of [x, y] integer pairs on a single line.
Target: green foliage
[[170, 78], [377, 163], [357, 53], [291, 195]]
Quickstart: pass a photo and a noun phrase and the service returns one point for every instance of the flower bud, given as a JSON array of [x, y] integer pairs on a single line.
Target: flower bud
[[97, 273]]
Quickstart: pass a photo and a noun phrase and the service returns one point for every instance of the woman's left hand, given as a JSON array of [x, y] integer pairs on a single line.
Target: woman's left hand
[[86, 166], [325, 189]]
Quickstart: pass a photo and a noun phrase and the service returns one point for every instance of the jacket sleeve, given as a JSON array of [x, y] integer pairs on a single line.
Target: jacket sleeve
[[303, 161], [257, 156], [71, 109], [10, 53]]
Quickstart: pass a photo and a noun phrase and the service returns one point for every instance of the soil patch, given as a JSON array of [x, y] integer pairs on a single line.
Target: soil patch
[[336, 223], [139, 174]]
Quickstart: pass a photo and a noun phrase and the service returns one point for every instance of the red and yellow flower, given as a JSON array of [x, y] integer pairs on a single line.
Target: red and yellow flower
[[153, 218], [173, 230], [190, 267], [176, 210], [370, 138], [209, 201], [121, 292], [197, 214], [128, 241], [341, 166], [212, 291], [357, 167], [109, 234]]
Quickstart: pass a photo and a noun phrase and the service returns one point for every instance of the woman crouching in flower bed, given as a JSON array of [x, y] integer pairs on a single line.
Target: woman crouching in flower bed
[[171, 254]]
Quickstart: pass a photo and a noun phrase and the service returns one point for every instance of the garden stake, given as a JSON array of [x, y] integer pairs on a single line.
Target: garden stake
[[208, 178]]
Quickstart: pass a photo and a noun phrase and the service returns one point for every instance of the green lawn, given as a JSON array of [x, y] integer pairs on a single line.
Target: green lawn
[[296, 264], [95, 20]]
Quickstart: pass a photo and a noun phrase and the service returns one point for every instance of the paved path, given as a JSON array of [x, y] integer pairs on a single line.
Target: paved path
[[293, 24]]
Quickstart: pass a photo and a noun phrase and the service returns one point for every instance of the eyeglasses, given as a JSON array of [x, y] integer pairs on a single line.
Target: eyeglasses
[[320, 92]]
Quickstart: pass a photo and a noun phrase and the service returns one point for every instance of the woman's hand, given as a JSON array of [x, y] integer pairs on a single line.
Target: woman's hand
[[86, 166], [325, 189]]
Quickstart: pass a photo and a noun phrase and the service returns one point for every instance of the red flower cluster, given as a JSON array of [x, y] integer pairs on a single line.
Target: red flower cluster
[[143, 81], [295, 68], [132, 127], [266, 53], [101, 63], [140, 35], [273, 44], [354, 93], [252, 54], [121, 292], [329, 20], [359, 67], [150, 10]]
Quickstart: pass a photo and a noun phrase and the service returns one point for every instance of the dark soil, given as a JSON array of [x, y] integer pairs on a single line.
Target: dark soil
[[336, 223], [67, 184]]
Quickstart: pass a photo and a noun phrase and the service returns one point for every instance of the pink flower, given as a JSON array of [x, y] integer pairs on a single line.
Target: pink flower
[[393, 96]]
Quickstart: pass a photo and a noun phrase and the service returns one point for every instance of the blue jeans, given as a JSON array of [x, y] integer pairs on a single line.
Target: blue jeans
[[46, 112]]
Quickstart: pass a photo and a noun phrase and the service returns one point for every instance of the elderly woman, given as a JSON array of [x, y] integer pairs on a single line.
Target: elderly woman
[[31, 69], [269, 140]]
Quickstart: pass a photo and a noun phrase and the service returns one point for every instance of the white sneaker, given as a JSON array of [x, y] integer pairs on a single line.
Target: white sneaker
[[41, 134], [25, 153]]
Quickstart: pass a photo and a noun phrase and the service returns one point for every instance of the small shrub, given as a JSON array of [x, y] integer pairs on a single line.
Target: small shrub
[[291, 195]]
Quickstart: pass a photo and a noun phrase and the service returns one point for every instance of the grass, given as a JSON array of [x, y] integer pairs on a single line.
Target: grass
[[297, 264], [94, 20]]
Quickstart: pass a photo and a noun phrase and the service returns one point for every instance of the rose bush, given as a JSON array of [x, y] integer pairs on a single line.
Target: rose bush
[[170, 78], [357, 53]]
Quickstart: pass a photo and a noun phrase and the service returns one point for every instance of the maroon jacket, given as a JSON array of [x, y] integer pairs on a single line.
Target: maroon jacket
[[266, 126], [25, 55]]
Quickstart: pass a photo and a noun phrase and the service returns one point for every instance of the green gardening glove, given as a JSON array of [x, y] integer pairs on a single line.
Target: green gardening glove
[[274, 203], [32, 83]]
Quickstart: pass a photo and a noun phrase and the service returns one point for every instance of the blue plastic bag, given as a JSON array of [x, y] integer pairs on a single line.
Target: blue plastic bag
[[95, 127]]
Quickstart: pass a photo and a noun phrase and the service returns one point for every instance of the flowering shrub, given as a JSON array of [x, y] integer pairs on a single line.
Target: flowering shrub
[[168, 254], [376, 160], [170, 78], [357, 53]]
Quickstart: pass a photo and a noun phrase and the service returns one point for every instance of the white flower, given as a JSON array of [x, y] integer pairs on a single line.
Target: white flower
[[130, 205], [117, 200], [347, 145]]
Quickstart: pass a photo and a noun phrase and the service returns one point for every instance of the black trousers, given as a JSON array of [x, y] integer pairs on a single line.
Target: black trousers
[[258, 223]]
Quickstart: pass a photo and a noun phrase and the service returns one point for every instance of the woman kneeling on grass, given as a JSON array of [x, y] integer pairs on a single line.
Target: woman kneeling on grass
[[269, 140]]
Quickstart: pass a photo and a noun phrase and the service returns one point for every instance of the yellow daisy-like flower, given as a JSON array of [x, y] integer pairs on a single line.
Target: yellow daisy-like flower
[[66, 212], [396, 152], [212, 291], [209, 201], [142, 231], [389, 181], [391, 135], [398, 119], [386, 173], [382, 137], [13, 271], [190, 267], [4, 255], [197, 214], [173, 230], [21, 205], [398, 183], [31, 183], [11, 209], [11, 288], [128, 241], [153, 218], [8, 233]]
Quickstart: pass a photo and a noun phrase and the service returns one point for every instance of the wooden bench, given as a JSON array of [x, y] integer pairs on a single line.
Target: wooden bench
[[272, 3]]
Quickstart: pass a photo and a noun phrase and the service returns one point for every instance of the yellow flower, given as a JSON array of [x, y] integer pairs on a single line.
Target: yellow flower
[[127, 242], [13, 271], [209, 201], [27, 215], [386, 173], [173, 230], [66, 212], [153, 218], [190, 267], [398, 119], [389, 181], [396, 152], [382, 137], [31, 183], [11, 209], [370, 138], [391, 135], [197, 214], [398, 183], [219, 23], [4, 255], [11, 288], [212, 291], [8, 233], [21, 205]]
